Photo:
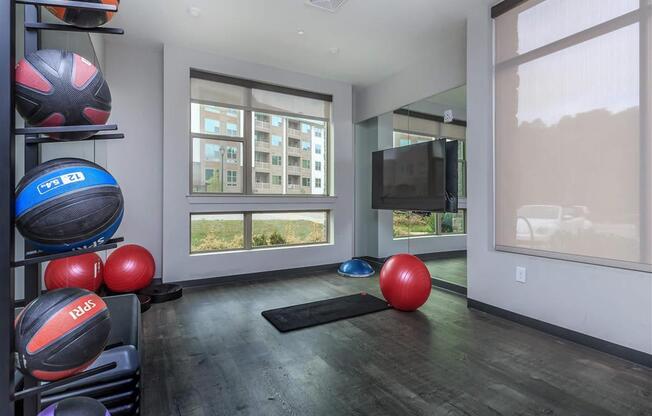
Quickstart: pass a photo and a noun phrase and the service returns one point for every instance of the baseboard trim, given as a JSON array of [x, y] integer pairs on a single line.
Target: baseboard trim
[[620, 351], [451, 287], [251, 277], [425, 257]]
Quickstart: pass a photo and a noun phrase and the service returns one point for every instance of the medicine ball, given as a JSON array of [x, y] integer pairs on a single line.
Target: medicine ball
[[67, 204], [129, 268], [84, 18], [76, 406], [83, 271], [61, 333], [60, 88]]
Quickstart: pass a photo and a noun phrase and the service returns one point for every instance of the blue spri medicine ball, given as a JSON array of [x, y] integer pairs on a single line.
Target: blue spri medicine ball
[[67, 204], [356, 268]]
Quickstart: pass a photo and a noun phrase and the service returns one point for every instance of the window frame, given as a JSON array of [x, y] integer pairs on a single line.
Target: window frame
[[248, 230]]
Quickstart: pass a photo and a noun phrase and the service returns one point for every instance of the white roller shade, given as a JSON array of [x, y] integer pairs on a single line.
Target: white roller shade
[[572, 143]]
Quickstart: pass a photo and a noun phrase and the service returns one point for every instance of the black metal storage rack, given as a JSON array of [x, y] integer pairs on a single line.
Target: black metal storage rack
[[26, 402]]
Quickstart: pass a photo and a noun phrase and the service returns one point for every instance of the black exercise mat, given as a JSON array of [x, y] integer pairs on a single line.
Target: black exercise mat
[[324, 311]]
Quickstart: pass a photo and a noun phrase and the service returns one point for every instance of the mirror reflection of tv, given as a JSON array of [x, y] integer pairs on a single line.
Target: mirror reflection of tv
[[413, 178]]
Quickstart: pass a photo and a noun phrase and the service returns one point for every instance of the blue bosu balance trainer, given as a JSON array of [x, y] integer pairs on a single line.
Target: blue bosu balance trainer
[[356, 268]]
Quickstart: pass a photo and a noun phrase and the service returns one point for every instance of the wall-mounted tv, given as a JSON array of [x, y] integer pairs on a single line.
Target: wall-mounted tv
[[414, 177]]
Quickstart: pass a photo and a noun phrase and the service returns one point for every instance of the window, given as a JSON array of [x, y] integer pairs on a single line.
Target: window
[[277, 180], [317, 182], [208, 119], [305, 128], [231, 154], [232, 178], [289, 228], [277, 160], [305, 181], [215, 155], [211, 126], [319, 133], [305, 163], [305, 146], [318, 166], [277, 121], [572, 114], [277, 140], [420, 224], [209, 174], [318, 149], [216, 232], [222, 232]]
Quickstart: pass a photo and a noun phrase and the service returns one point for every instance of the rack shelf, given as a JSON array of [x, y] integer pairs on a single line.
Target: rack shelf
[[69, 28], [64, 129], [30, 141], [20, 395], [72, 4], [40, 257]]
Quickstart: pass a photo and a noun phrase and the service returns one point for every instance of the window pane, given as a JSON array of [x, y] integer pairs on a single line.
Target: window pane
[[216, 232], [210, 119], [216, 166], [268, 154], [452, 223], [412, 224], [536, 24], [289, 228], [406, 139], [292, 148]]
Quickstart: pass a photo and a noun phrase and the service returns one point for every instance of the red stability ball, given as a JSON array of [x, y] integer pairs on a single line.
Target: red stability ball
[[83, 271], [405, 282], [129, 268]]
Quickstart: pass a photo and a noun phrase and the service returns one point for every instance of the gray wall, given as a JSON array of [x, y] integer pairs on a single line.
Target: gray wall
[[607, 303], [443, 68], [137, 160], [366, 219], [178, 264]]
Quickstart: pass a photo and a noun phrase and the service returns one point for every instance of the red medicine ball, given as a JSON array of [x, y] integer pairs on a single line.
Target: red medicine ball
[[405, 282], [84, 18], [129, 269], [83, 271], [61, 333]]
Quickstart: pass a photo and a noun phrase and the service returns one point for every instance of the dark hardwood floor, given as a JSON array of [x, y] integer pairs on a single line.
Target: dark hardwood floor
[[212, 353]]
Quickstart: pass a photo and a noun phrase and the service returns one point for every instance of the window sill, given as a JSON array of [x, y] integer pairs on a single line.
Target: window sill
[[260, 199], [261, 249], [422, 237]]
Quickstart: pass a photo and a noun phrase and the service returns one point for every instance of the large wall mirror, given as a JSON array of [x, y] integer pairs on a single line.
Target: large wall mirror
[[438, 238]]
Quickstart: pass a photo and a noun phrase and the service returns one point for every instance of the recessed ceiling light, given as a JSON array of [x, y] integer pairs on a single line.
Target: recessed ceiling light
[[194, 11], [300, 32]]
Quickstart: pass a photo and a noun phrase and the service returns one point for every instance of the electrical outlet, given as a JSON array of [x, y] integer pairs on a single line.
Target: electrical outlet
[[521, 274]]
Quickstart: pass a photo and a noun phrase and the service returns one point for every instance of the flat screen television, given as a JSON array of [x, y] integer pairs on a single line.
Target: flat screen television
[[413, 178]]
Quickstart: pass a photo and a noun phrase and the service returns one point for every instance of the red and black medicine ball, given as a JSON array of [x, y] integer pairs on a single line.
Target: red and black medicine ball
[[84, 18], [61, 333], [60, 88]]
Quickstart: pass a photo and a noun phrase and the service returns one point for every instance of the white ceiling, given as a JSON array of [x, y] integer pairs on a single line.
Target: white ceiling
[[375, 38]]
